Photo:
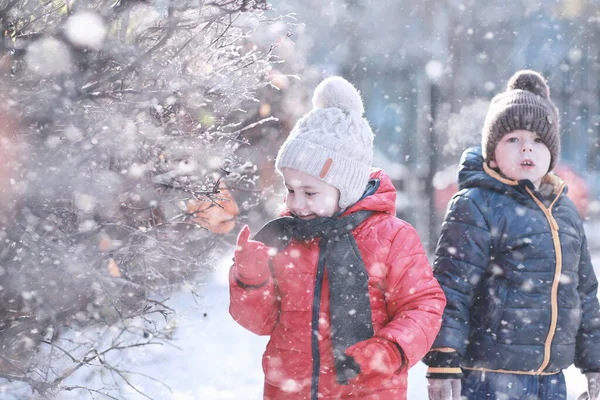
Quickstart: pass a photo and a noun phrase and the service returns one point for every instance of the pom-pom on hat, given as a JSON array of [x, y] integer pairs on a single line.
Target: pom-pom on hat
[[524, 105], [333, 142]]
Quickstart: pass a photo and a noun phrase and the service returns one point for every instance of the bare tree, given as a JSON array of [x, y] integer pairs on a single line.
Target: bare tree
[[126, 118]]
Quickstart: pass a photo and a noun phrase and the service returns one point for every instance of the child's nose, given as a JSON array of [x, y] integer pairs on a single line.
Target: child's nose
[[298, 202], [527, 146]]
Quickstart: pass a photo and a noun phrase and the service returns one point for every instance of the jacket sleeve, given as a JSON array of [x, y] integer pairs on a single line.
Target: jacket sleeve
[[587, 345], [255, 307], [415, 301], [462, 257]]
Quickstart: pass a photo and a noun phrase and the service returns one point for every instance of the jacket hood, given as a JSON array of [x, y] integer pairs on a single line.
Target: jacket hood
[[384, 198], [472, 172]]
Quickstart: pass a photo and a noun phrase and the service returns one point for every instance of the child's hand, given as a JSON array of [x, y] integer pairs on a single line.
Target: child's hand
[[443, 389], [251, 258], [593, 391], [376, 356]]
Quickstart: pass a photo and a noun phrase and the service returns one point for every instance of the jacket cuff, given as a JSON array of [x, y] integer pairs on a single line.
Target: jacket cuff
[[396, 350], [245, 285], [443, 365], [402, 356], [585, 371]]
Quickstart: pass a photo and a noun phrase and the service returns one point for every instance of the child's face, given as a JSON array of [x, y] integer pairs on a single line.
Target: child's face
[[309, 197], [522, 155]]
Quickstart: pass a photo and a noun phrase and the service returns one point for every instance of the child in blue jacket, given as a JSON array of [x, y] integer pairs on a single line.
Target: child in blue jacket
[[514, 264]]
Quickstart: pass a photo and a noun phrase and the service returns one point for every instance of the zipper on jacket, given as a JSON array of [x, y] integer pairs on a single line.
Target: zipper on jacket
[[314, 389], [557, 271]]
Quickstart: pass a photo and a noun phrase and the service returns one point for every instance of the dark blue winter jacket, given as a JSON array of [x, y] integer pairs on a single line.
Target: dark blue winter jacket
[[516, 271]]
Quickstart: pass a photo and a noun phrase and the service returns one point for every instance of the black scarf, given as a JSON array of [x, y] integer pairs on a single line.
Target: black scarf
[[350, 308]]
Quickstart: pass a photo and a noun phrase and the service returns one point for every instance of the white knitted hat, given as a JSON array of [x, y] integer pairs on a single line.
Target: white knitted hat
[[333, 142]]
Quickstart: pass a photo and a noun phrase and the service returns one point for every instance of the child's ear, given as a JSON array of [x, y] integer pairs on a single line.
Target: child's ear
[[493, 164]]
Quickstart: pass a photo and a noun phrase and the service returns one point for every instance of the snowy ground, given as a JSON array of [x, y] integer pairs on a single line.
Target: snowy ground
[[219, 360]]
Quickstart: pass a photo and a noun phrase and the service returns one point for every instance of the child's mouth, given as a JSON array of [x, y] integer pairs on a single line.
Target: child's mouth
[[527, 163], [305, 216]]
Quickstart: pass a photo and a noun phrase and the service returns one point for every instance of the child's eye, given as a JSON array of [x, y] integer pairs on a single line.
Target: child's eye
[[512, 140], [290, 191], [310, 194], [538, 140]]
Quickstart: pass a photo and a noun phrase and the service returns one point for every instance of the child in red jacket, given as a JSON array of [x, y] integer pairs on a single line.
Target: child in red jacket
[[342, 286]]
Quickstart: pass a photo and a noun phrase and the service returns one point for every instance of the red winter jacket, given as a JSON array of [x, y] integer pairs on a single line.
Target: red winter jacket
[[406, 302]]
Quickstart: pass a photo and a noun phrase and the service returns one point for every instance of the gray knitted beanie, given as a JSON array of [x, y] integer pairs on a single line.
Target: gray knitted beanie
[[524, 105], [333, 142]]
